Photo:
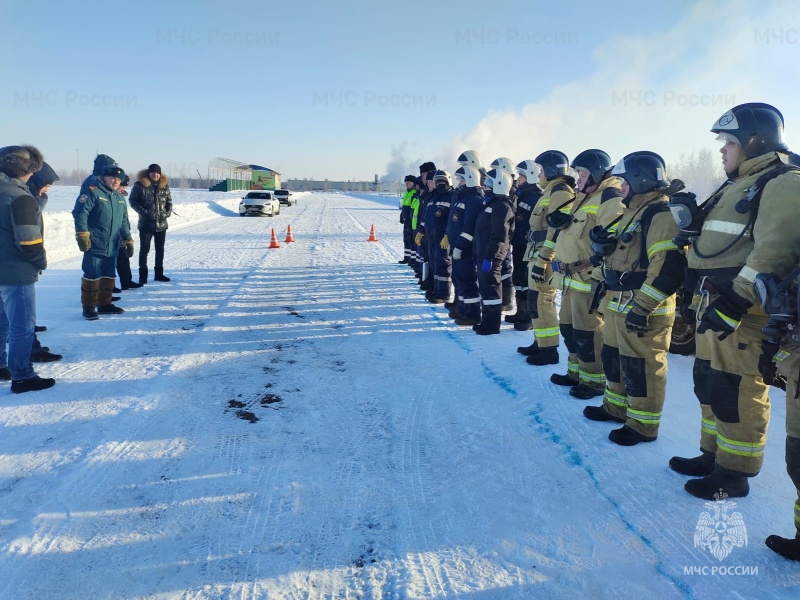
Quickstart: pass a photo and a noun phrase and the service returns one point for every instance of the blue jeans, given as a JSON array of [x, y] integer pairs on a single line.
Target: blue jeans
[[17, 320]]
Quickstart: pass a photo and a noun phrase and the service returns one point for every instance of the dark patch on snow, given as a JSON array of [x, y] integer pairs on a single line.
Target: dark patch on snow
[[267, 385], [337, 326], [275, 361], [236, 404], [291, 310], [268, 399], [246, 415], [269, 369], [291, 362]]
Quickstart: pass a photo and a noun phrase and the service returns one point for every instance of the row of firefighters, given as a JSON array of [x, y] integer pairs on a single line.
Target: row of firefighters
[[627, 248]]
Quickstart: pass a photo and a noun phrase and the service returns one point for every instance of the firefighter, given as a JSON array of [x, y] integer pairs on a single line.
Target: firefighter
[[426, 171], [528, 194], [460, 233], [405, 219], [642, 270], [437, 211], [580, 325], [557, 183], [507, 272], [748, 226], [490, 246]]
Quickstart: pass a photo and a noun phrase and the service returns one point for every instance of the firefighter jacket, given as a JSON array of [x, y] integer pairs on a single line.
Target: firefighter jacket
[[463, 215], [528, 195], [437, 211], [556, 196], [646, 268], [573, 246], [493, 228], [739, 239]]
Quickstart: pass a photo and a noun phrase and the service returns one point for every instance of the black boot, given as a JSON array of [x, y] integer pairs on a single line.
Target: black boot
[[625, 436], [90, 314], [467, 322], [5, 374], [732, 483], [699, 466], [545, 356], [142, 275], [785, 547], [529, 350], [585, 392], [33, 384], [490, 321], [525, 325], [521, 314], [564, 380], [508, 298], [42, 355], [160, 275], [599, 413]]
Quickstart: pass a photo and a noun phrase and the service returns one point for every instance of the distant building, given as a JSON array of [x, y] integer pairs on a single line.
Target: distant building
[[226, 175]]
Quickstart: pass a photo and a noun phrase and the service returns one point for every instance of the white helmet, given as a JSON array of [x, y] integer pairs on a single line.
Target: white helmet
[[504, 164], [501, 181], [471, 158], [529, 170], [442, 175], [471, 175]]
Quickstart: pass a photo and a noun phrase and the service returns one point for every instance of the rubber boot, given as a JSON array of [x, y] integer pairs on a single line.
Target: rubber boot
[[521, 312], [104, 306], [490, 321], [529, 350], [545, 356], [599, 413], [785, 547], [626, 436], [564, 380], [89, 291], [699, 466], [733, 483], [585, 392], [142, 275], [508, 298]]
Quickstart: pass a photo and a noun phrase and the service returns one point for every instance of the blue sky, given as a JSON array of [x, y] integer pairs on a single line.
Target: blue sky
[[330, 89]]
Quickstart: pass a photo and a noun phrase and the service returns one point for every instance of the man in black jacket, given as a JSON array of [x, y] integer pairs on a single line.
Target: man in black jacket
[[151, 199], [23, 257]]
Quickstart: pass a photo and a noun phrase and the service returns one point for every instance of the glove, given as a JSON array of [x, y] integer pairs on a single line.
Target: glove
[[418, 238], [457, 252], [402, 220], [537, 272], [724, 314], [486, 266], [636, 320], [684, 306], [129, 248], [444, 243], [84, 242]]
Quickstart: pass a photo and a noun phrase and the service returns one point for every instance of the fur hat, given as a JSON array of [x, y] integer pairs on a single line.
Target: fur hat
[[18, 161], [410, 178], [113, 171], [426, 167], [154, 168], [101, 161]]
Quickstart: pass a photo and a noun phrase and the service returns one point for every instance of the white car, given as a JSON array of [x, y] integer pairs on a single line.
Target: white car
[[259, 203], [284, 197]]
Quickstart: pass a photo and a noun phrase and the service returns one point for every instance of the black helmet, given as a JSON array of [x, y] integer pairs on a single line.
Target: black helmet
[[757, 126], [553, 163], [644, 171], [440, 176], [597, 162]]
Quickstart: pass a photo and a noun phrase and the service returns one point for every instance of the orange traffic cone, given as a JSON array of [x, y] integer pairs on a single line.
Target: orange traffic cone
[[273, 243], [289, 236], [372, 236]]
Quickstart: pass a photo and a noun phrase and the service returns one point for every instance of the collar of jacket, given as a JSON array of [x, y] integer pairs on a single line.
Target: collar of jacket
[[759, 163], [565, 179], [15, 182], [640, 200], [146, 182]]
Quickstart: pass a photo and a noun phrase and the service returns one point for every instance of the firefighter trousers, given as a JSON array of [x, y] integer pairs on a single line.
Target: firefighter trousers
[[542, 309], [583, 336]]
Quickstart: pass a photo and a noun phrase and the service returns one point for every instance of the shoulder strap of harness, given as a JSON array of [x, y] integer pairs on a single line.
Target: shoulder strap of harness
[[644, 222], [755, 190]]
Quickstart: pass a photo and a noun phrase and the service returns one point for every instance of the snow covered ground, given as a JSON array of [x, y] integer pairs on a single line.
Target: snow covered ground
[[300, 423]]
